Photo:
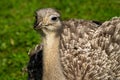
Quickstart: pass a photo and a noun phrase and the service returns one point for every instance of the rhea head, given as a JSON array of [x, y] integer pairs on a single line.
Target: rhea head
[[48, 21]]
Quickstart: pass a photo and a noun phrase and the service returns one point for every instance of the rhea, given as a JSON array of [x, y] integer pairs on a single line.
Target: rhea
[[76, 49]]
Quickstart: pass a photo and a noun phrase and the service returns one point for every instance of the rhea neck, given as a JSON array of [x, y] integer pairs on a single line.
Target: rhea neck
[[51, 58], [50, 39]]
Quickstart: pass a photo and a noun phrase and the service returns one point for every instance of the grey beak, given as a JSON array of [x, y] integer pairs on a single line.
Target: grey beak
[[37, 25]]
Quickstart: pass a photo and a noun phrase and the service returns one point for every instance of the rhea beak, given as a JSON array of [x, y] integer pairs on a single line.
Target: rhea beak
[[40, 25], [37, 25]]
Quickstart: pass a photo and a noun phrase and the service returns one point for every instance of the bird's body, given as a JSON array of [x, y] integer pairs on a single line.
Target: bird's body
[[91, 52], [81, 51]]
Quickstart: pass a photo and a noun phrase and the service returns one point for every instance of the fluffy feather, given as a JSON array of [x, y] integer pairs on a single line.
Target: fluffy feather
[[88, 51]]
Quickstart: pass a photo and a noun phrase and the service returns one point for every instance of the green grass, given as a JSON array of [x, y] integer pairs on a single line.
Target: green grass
[[16, 27]]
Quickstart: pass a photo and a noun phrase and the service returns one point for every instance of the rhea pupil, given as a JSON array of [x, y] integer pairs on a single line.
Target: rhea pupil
[[54, 18]]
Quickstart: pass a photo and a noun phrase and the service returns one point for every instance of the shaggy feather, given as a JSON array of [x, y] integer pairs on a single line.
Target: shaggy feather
[[87, 52]]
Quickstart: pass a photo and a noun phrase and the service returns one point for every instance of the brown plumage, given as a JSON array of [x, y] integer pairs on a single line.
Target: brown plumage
[[87, 52]]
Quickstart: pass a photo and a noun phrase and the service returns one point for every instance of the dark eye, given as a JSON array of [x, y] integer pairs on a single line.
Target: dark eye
[[54, 18]]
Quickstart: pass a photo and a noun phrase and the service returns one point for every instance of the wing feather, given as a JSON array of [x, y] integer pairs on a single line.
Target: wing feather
[[35, 65]]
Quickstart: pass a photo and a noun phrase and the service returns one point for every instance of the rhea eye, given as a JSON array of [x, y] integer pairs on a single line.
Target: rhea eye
[[54, 18]]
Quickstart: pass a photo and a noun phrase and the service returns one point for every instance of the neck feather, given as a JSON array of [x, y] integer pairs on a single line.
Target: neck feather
[[51, 58]]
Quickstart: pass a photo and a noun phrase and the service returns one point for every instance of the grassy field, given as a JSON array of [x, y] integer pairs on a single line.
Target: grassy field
[[16, 27]]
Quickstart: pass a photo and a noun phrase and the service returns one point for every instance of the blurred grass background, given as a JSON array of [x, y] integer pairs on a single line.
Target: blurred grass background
[[16, 27]]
